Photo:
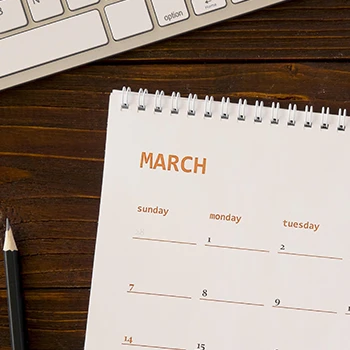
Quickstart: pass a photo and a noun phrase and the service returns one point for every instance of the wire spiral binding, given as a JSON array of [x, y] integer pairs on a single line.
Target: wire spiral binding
[[192, 100], [191, 105], [208, 105], [308, 117], [341, 120], [158, 101], [324, 118], [225, 108], [258, 110], [175, 103], [291, 114], [125, 97], [141, 100], [241, 109], [275, 108]]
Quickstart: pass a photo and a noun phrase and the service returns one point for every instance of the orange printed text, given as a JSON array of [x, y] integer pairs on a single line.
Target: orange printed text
[[172, 162], [153, 210], [225, 217], [301, 225]]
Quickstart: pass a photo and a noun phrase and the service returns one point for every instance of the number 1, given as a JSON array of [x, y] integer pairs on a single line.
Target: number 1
[[127, 339]]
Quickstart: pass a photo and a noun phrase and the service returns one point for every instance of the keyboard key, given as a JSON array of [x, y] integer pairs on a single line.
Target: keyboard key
[[51, 42], [204, 6], [137, 15], [43, 9], [169, 12], [11, 15], [77, 4], [237, 1]]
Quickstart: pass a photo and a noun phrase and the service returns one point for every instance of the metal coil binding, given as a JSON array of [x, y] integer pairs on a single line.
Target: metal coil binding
[[291, 114], [241, 109], [141, 100], [308, 117], [341, 120], [226, 106], [175, 103], [158, 107], [324, 118], [258, 110], [191, 104], [208, 105], [125, 97], [275, 108]]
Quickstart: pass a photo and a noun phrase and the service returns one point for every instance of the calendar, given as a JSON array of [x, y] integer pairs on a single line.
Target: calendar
[[223, 225]]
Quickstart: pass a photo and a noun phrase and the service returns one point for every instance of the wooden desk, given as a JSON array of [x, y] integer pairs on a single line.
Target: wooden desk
[[52, 135]]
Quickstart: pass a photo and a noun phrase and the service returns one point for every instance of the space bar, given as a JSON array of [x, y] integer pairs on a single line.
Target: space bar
[[51, 42]]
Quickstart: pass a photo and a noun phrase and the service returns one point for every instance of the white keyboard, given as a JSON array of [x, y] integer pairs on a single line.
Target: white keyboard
[[41, 37]]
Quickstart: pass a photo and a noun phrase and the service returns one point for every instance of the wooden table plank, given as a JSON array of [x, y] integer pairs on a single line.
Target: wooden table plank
[[78, 99], [56, 319]]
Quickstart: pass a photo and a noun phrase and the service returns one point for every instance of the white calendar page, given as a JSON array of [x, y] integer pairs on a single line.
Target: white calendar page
[[221, 234]]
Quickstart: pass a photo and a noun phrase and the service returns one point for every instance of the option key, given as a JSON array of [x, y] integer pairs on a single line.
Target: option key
[[169, 12]]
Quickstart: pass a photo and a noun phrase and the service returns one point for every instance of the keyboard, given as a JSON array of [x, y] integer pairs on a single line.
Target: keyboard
[[42, 37]]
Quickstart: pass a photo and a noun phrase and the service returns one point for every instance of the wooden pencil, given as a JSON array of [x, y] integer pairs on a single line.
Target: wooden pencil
[[14, 293]]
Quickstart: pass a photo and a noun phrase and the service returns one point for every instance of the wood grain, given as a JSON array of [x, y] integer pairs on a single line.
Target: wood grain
[[52, 136], [56, 319], [78, 99]]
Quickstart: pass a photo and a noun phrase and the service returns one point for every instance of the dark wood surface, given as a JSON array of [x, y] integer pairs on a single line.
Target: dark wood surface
[[52, 135]]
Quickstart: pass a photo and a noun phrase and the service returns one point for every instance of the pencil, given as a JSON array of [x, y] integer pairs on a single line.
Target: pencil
[[14, 294]]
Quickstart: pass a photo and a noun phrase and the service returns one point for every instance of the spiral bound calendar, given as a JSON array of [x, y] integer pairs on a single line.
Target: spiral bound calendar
[[223, 226]]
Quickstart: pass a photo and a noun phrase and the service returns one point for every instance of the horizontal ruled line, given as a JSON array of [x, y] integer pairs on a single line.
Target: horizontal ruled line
[[238, 248], [304, 309], [159, 295], [312, 256], [231, 302], [152, 346], [163, 240]]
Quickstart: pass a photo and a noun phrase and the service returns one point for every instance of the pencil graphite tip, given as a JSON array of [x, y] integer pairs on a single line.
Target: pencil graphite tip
[[9, 242]]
